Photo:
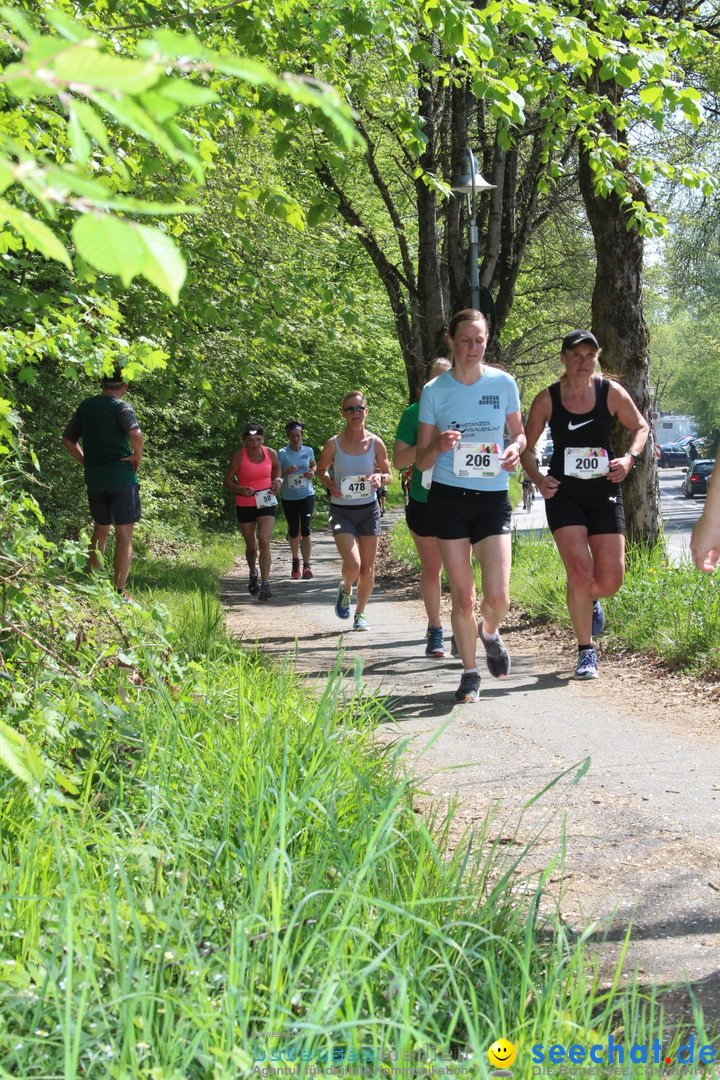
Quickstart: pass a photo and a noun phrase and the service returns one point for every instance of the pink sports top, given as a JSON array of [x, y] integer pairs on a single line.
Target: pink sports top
[[256, 475]]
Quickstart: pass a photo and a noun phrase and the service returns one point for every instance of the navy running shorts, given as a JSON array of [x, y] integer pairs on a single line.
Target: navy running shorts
[[118, 507]]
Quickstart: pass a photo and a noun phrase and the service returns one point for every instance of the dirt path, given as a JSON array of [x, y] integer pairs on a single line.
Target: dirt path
[[641, 828]]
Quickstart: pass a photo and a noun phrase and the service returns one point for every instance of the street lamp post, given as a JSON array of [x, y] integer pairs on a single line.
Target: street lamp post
[[468, 183]]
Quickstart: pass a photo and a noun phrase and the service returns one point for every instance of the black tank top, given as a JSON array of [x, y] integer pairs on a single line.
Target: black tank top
[[591, 428]]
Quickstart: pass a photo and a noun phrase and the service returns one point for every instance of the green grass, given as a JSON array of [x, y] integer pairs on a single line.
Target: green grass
[[212, 853], [665, 610]]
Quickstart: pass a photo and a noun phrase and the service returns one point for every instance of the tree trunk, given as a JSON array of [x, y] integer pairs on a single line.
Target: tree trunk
[[619, 325]]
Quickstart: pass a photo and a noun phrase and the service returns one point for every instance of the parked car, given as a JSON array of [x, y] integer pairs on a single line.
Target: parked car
[[547, 453], [696, 478], [672, 454]]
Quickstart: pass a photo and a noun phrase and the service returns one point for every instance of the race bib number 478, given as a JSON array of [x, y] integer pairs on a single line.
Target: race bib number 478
[[476, 460], [356, 487]]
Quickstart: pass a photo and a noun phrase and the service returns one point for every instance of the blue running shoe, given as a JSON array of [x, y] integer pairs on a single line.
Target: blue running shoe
[[360, 621], [587, 665], [598, 623], [435, 641], [342, 604]]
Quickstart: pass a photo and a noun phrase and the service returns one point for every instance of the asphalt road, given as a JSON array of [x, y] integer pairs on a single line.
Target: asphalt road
[[640, 832]]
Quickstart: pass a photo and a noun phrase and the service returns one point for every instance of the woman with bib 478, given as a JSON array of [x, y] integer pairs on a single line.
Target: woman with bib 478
[[353, 466], [463, 416], [582, 492]]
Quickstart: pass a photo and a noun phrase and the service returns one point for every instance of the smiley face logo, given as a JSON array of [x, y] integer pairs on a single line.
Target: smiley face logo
[[502, 1053]]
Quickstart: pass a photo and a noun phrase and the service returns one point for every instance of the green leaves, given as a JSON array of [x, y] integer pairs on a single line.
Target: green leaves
[[122, 247], [18, 756], [37, 236], [121, 112]]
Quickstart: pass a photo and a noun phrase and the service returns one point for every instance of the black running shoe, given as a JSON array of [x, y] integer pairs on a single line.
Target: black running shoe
[[254, 584], [469, 688], [498, 661]]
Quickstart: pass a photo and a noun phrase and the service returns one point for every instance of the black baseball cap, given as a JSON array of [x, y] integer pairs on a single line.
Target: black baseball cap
[[576, 337]]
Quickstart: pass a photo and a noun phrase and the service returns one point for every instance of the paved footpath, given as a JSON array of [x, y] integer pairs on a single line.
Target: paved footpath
[[641, 828]]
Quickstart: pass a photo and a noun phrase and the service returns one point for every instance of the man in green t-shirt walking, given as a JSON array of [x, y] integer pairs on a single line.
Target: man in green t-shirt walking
[[112, 448]]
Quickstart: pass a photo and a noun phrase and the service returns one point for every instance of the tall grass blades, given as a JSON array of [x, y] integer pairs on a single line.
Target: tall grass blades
[[217, 871]]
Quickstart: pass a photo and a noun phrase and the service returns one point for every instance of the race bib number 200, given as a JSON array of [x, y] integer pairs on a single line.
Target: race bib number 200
[[476, 460], [586, 462]]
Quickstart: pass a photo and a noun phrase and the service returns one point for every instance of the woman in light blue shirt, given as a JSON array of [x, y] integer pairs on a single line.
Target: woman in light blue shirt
[[462, 421], [297, 468]]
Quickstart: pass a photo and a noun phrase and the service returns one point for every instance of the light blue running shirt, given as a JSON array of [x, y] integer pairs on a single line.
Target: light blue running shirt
[[478, 411], [301, 458]]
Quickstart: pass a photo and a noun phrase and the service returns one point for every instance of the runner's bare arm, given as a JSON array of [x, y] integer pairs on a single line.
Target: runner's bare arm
[[705, 540], [275, 477], [323, 470], [230, 481], [511, 455], [382, 464], [539, 415], [432, 442]]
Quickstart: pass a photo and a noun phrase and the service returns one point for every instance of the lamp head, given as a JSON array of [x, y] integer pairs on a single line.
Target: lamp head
[[469, 178]]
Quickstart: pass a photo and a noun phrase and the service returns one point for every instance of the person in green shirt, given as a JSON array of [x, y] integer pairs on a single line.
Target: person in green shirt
[[417, 521], [111, 452]]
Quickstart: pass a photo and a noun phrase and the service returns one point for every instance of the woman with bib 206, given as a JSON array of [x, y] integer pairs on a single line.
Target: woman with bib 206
[[582, 492], [463, 416], [353, 466], [253, 475]]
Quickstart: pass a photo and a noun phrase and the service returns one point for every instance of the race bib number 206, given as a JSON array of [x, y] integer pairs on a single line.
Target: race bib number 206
[[476, 460]]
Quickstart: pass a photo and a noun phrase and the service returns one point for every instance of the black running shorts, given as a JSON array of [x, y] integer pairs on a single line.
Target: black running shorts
[[418, 518], [466, 514], [246, 514], [600, 511], [298, 514]]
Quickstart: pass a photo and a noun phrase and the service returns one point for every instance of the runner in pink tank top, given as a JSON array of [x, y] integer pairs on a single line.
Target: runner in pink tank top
[[253, 476]]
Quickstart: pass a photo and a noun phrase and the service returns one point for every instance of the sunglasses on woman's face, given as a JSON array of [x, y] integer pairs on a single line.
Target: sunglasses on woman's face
[[354, 408]]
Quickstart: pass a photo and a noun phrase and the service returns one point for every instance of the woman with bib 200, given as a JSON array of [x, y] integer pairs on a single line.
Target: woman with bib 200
[[253, 475], [583, 497], [353, 466], [463, 416]]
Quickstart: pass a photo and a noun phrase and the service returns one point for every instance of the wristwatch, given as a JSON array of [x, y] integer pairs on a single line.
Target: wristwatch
[[634, 455]]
